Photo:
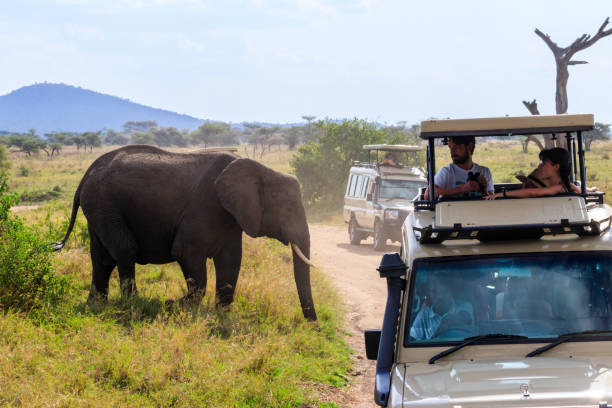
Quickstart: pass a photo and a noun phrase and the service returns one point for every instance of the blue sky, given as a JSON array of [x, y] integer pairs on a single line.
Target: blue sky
[[248, 60]]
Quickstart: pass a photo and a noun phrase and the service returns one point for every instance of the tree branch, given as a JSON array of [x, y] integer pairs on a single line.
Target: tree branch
[[553, 47], [577, 62], [586, 40], [532, 107]]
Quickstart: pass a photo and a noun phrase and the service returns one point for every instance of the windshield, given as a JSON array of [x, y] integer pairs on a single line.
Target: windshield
[[400, 189], [537, 296]]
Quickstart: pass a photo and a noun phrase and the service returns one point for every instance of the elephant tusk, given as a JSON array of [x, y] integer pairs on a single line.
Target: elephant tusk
[[301, 255]]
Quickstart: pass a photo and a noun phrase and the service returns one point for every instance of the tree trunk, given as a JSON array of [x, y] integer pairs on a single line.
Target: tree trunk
[[561, 93]]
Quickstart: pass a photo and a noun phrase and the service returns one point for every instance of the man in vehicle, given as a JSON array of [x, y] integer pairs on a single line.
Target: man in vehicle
[[462, 177], [442, 313], [390, 160]]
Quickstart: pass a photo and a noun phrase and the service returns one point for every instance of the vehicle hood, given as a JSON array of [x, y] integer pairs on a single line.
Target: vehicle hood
[[547, 382]]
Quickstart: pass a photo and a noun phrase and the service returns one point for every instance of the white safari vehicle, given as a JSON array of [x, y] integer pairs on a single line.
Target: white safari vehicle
[[379, 194], [504, 303]]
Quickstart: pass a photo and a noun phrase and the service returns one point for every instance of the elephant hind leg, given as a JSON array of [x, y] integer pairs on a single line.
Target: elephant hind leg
[[121, 246], [103, 265], [227, 268], [193, 265]]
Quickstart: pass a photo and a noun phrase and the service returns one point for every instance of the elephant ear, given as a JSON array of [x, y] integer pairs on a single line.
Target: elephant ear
[[240, 191]]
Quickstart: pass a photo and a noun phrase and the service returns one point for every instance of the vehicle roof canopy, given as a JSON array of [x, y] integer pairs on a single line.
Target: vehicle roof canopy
[[506, 126], [394, 148]]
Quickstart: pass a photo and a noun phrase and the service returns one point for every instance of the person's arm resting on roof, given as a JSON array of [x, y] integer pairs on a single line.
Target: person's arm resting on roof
[[531, 192]]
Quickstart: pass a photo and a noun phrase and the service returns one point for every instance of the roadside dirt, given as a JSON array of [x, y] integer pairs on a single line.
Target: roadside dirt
[[20, 208], [352, 269]]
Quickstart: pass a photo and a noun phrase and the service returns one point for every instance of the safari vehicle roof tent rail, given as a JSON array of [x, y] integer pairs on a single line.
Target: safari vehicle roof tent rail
[[568, 126]]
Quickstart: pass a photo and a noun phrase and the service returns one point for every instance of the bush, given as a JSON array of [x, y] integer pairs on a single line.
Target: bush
[[27, 279], [5, 164], [323, 167]]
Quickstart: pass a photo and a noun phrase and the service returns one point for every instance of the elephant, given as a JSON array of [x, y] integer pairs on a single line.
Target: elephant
[[148, 206]]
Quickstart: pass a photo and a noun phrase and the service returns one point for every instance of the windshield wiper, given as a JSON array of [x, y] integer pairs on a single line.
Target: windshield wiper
[[562, 338], [469, 340]]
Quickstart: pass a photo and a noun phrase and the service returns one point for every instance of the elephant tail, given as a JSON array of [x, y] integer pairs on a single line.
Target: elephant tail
[[75, 209]]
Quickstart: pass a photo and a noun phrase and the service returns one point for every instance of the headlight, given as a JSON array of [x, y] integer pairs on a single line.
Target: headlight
[[392, 214]]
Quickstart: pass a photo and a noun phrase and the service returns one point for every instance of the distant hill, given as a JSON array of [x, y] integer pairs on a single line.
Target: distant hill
[[57, 107]]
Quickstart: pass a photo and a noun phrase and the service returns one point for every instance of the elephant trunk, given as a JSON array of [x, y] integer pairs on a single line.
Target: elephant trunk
[[301, 272]]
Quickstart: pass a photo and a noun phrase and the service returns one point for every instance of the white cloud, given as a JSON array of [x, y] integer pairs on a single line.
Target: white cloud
[[83, 32], [318, 7], [138, 4], [177, 40]]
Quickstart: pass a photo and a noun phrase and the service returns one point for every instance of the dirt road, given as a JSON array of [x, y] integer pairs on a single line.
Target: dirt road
[[353, 271]]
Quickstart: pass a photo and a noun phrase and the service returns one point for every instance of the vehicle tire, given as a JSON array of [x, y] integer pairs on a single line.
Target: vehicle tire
[[379, 239], [355, 236]]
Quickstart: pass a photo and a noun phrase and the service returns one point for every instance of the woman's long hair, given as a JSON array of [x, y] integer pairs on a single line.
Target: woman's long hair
[[560, 156]]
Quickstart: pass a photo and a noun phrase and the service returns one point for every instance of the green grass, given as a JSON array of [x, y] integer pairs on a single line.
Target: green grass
[[144, 351], [140, 352]]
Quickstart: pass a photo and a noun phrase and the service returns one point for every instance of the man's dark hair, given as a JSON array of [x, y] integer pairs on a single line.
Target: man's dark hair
[[464, 140]]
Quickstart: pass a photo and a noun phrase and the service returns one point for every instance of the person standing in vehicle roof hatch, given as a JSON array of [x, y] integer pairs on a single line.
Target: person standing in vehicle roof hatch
[[462, 177]]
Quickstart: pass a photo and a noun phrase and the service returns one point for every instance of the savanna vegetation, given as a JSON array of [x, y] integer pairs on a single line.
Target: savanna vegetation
[[323, 163], [58, 350], [257, 139]]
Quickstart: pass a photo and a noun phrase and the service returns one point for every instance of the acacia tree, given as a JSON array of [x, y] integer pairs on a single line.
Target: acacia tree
[[563, 59], [309, 119], [139, 126], [210, 132], [601, 131]]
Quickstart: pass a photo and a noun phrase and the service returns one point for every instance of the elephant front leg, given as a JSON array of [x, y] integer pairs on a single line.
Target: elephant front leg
[[227, 267]]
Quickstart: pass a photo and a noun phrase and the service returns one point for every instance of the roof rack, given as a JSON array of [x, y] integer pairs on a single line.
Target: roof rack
[[429, 235], [536, 217]]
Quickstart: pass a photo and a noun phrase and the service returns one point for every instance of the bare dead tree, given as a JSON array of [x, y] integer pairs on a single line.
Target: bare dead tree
[[532, 107], [563, 59]]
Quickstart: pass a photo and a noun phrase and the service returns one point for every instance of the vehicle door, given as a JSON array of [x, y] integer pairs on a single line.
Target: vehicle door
[[370, 212], [359, 199], [354, 199], [349, 200]]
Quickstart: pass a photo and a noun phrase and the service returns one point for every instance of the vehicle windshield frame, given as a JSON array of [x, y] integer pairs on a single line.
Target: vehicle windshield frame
[[428, 344], [420, 183], [571, 133]]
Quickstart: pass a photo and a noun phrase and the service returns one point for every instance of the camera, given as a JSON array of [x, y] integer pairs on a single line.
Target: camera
[[474, 177]]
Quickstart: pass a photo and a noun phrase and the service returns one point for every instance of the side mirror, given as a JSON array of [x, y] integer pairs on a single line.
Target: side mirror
[[372, 340]]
